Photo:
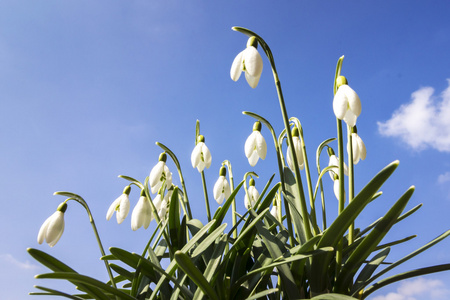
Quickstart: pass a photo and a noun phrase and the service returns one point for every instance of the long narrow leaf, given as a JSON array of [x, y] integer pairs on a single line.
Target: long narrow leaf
[[360, 254], [52, 292], [75, 277], [185, 263], [334, 233]]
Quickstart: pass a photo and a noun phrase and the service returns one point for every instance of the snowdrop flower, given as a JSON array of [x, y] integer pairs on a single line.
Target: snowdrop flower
[[334, 161], [201, 157], [142, 213], [159, 174], [121, 206], [274, 211], [221, 189], [248, 61], [358, 147], [251, 196], [336, 187], [298, 145], [346, 103], [53, 228], [255, 145]]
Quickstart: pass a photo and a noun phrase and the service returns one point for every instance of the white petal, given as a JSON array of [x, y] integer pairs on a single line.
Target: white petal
[[353, 99], [261, 146], [55, 228], [253, 62], [43, 230], [141, 215], [340, 104], [196, 155], [206, 156], [124, 208], [253, 159], [112, 208], [274, 211], [155, 174], [162, 212], [333, 161], [350, 118], [250, 144], [236, 67], [289, 158], [252, 80], [336, 189], [226, 189]]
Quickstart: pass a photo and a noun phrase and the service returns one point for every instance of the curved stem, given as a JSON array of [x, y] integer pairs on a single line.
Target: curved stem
[[80, 200]]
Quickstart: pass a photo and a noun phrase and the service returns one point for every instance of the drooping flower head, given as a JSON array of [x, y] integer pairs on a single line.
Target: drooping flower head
[[298, 145], [274, 211], [255, 145], [201, 157], [358, 147], [334, 161], [53, 228], [336, 186], [160, 174], [142, 213], [221, 189], [346, 103], [248, 61], [121, 206], [251, 196]]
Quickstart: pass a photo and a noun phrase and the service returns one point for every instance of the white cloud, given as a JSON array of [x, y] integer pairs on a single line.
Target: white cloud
[[420, 288], [422, 123], [9, 259], [443, 178]]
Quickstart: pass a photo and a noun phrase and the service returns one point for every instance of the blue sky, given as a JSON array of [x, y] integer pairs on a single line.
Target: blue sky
[[88, 87]]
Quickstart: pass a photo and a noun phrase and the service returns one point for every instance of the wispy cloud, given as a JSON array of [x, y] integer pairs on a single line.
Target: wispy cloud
[[422, 123], [9, 259], [443, 178], [419, 288]]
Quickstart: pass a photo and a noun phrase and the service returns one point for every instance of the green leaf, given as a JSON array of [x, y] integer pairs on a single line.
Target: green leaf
[[58, 266], [365, 248], [262, 294], [75, 277], [406, 275], [174, 220], [407, 257], [119, 270], [133, 260], [332, 297], [335, 232], [277, 250], [52, 292], [185, 263], [368, 270]]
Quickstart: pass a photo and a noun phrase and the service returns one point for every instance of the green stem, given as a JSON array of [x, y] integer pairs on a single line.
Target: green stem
[[302, 202], [233, 204], [351, 185], [205, 192], [81, 201]]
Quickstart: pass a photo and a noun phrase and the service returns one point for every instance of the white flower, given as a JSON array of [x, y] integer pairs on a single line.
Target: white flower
[[163, 210], [336, 188], [159, 174], [358, 148], [252, 195], [250, 62], [161, 204], [221, 189], [255, 145], [201, 157], [334, 161], [274, 211], [298, 152], [121, 206], [142, 213], [53, 228], [346, 105]]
